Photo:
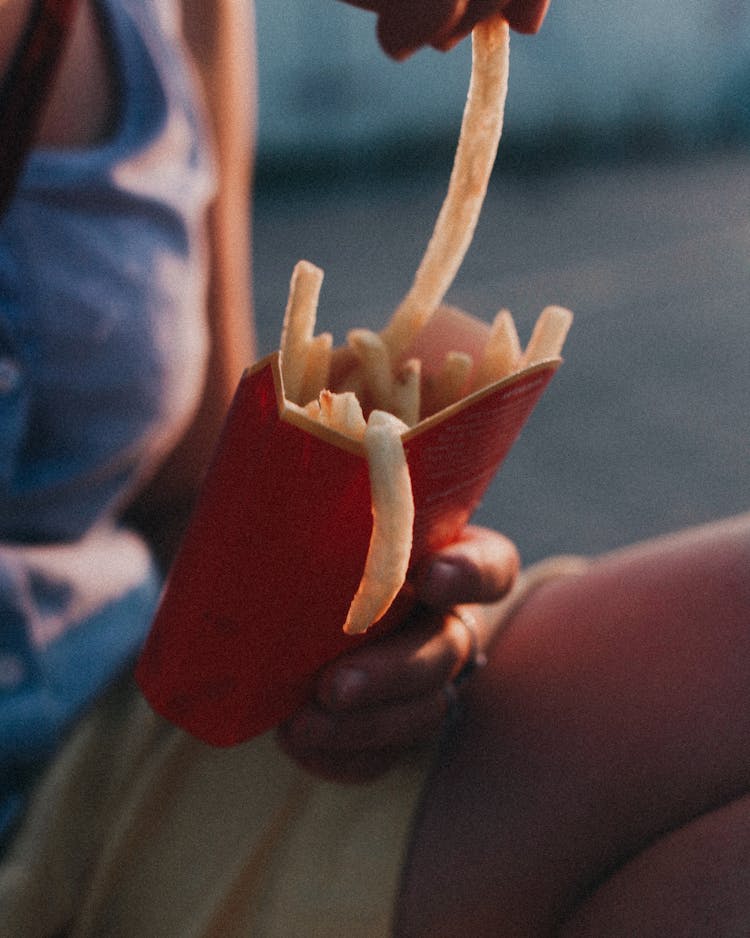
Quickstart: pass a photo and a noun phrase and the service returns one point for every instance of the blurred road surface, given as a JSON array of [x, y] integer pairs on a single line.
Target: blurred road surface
[[647, 425]]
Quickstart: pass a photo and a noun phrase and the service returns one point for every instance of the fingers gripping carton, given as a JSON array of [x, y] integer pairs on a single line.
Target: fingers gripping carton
[[275, 551], [319, 504]]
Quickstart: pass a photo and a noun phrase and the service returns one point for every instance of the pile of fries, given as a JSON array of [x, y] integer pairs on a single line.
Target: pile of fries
[[380, 394]]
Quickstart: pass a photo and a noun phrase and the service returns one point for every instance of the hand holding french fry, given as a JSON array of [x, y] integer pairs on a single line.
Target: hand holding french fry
[[406, 25]]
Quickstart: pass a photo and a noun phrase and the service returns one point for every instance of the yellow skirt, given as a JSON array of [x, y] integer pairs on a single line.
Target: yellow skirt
[[139, 830]]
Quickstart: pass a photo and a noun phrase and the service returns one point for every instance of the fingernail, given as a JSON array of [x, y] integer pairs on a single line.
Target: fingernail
[[348, 685]]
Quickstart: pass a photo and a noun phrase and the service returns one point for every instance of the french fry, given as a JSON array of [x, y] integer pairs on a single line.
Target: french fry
[[548, 335], [303, 408], [299, 325], [479, 137], [375, 365], [354, 382], [396, 391], [392, 522], [502, 353], [406, 399], [317, 366], [342, 412], [312, 410], [450, 382]]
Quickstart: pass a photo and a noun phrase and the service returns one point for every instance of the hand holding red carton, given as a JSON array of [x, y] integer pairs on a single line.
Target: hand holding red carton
[[320, 502]]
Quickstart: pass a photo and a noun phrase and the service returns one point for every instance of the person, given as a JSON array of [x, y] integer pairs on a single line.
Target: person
[[117, 240], [101, 318], [556, 800]]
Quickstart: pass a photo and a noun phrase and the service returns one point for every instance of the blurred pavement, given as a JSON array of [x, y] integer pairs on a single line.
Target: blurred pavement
[[647, 425]]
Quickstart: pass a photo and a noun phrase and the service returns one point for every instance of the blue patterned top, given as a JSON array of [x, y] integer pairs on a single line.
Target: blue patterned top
[[103, 346]]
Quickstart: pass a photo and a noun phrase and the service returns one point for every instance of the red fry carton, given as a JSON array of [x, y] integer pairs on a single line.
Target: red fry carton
[[275, 550]]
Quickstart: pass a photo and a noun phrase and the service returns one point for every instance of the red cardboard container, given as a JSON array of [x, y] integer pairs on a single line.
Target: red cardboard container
[[259, 592]]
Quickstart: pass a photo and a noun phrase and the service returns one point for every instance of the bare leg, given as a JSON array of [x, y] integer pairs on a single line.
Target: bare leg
[[694, 883], [616, 708]]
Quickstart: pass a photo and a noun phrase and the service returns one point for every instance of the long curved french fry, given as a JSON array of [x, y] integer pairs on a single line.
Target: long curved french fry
[[479, 137], [392, 523]]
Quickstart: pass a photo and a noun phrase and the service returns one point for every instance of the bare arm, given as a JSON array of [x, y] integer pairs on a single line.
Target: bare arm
[[221, 37], [13, 16], [81, 99]]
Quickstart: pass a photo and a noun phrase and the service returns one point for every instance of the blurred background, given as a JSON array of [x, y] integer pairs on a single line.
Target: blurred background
[[597, 76], [622, 190]]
